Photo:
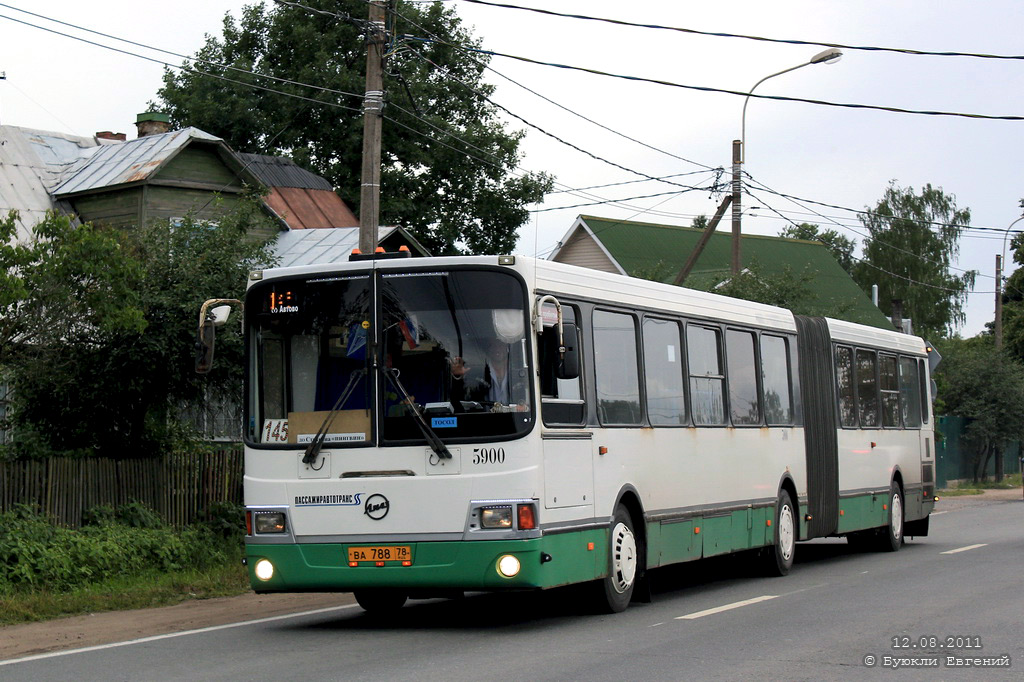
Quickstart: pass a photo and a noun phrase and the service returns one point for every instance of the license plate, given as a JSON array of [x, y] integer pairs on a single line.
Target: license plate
[[380, 553]]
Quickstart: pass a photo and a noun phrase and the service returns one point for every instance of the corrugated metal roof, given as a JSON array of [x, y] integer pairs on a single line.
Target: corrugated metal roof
[[31, 163], [649, 248], [128, 162], [304, 208], [281, 171], [319, 247]]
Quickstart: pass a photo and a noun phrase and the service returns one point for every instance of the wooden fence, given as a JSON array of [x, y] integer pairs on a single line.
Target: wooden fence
[[179, 487]]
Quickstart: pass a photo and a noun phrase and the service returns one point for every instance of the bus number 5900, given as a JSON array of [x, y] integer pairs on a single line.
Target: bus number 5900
[[488, 455]]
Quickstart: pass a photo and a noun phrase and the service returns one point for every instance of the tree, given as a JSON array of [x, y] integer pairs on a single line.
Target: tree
[[986, 387], [447, 161], [839, 246], [912, 242], [1013, 302], [114, 383], [787, 289]]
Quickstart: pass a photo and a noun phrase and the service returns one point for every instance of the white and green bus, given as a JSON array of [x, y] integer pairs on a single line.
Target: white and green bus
[[422, 427]]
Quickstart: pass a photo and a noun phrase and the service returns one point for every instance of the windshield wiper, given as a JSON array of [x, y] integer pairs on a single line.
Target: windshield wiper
[[313, 449], [436, 444]]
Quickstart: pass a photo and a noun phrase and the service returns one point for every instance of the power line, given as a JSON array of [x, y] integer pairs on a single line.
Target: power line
[[703, 88], [719, 34]]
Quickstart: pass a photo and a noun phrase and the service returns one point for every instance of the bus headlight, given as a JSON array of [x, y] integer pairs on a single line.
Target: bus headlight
[[508, 566], [496, 517], [270, 522], [264, 570]]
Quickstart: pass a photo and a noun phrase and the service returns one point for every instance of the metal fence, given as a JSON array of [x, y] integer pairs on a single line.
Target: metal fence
[[955, 458], [179, 487]]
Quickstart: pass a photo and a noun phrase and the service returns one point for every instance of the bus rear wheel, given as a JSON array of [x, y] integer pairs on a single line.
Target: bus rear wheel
[[623, 563], [890, 538], [377, 602], [778, 558]]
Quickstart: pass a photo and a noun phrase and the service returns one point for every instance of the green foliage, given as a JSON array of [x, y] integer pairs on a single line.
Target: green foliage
[[35, 554], [987, 387], [839, 246], [913, 241], [447, 160], [226, 519], [1013, 302], [112, 362]]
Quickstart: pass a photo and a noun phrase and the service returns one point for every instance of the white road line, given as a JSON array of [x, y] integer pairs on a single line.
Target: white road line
[[727, 607], [939, 513], [964, 549], [171, 635]]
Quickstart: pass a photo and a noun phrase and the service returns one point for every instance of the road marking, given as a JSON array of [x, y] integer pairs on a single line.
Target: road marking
[[727, 607], [964, 549], [171, 635], [939, 513]]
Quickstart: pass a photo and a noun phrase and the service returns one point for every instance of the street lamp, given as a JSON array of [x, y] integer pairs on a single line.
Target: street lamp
[[829, 56], [999, 287]]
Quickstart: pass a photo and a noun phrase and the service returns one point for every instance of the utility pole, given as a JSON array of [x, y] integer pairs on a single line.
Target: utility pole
[[737, 211], [373, 103], [999, 302]]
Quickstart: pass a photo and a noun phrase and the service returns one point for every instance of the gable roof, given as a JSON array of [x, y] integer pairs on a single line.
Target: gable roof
[[324, 246], [637, 248], [31, 164]]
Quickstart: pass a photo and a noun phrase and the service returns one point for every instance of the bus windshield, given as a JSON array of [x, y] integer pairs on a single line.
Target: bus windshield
[[456, 343], [450, 345]]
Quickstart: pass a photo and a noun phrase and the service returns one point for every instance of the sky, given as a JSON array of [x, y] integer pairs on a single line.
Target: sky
[[843, 157]]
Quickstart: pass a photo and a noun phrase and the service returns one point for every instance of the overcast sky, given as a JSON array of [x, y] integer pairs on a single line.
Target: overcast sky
[[839, 156]]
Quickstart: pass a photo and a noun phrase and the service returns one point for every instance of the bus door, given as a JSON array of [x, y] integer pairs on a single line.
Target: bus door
[[567, 446]]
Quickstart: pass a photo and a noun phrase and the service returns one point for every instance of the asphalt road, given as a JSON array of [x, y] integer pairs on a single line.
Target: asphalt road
[[711, 620]]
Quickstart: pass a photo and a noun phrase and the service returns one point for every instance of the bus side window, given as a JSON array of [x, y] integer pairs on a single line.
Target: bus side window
[[561, 399], [845, 386], [775, 378], [616, 370], [910, 399], [663, 373], [867, 388], [704, 356], [890, 388], [744, 402]]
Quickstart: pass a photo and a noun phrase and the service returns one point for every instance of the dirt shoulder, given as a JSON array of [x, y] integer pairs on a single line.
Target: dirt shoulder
[[17, 641]]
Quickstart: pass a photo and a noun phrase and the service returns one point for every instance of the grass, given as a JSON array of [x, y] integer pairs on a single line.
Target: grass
[[144, 590], [977, 487]]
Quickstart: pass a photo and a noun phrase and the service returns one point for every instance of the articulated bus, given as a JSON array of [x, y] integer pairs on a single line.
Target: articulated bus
[[423, 427]]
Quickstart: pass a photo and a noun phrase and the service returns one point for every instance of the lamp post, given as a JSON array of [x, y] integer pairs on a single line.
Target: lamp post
[[1000, 259], [829, 56]]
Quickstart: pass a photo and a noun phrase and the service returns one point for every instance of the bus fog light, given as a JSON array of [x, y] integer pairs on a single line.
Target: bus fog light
[[496, 517], [264, 569], [508, 566]]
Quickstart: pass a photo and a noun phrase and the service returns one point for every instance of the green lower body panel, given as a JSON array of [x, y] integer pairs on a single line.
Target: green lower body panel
[[545, 562]]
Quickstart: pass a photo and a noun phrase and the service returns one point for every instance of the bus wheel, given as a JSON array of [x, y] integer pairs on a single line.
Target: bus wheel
[[380, 601], [779, 557], [890, 538], [623, 563]]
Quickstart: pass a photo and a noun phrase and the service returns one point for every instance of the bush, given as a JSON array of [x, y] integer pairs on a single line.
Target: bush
[[226, 520], [35, 554]]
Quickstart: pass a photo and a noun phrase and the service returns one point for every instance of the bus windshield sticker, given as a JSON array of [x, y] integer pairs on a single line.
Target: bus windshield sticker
[[444, 422], [332, 437]]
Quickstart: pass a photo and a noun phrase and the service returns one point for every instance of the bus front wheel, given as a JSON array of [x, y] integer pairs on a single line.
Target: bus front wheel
[[623, 563]]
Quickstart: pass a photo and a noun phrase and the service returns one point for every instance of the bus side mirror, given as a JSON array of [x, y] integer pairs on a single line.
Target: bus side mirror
[[569, 363], [204, 347], [206, 337]]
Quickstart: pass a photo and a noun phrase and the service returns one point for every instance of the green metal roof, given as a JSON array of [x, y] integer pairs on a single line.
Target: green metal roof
[[649, 248]]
